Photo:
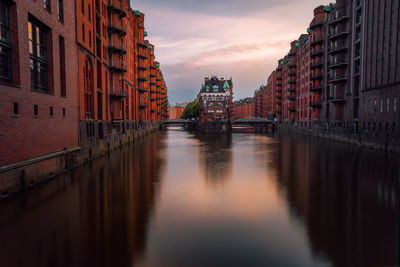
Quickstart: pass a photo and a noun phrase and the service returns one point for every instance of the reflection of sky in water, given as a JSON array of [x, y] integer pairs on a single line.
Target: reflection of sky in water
[[244, 221], [181, 199]]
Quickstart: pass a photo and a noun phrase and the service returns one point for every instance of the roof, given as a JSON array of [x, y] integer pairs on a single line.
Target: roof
[[215, 85]]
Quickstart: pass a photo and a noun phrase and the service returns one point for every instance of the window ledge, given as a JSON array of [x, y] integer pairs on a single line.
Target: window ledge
[[42, 92], [10, 84]]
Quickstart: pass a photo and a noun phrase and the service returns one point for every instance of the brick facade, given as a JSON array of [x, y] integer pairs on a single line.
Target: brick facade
[[78, 81], [24, 135]]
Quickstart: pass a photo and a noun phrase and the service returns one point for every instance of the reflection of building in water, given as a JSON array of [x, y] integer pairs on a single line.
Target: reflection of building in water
[[216, 157], [350, 208], [100, 219]]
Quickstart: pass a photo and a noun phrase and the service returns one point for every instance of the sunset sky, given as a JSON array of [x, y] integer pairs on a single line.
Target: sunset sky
[[228, 38]]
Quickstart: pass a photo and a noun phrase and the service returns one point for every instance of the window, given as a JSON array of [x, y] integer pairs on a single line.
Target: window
[[5, 46], [388, 104], [83, 6], [88, 89], [89, 12], [375, 105], [15, 109], [60, 10], [63, 83], [83, 32], [46, 4], [35, 111], [381, 105], [38, 57], [90, 38], [394, 104], [51, 112], [63, 112]]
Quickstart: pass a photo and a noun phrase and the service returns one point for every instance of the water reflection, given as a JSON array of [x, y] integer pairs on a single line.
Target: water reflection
[[215, 155], [347, 197], [181, 199], [96, 216]]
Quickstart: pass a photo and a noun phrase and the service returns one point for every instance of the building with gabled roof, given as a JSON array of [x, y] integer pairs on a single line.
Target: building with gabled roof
[[215, 99]]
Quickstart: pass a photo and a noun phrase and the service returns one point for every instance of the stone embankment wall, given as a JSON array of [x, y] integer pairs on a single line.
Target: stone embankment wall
[[23, 175], [366, 140]]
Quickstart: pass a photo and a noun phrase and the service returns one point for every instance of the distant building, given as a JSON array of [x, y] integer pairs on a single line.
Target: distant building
[[243, 108], [177, 110], [215, 99]]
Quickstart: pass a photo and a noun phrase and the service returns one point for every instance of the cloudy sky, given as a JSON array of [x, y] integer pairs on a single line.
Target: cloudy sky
[[242, 39]]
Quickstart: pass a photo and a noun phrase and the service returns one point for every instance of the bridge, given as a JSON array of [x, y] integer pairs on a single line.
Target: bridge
[[176, 122], [253, 121]]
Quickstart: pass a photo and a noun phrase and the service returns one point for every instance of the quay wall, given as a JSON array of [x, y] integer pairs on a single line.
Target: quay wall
[[23, 175], [370, 140]]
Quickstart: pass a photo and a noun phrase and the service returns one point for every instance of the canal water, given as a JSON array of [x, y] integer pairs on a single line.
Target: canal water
[[180, 199]]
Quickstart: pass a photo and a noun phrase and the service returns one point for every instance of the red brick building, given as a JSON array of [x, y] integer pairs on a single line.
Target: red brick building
[[243, 108], [38, 79], [279, 91], [259, 102], [77, 78], [303, 108], [270, 96]]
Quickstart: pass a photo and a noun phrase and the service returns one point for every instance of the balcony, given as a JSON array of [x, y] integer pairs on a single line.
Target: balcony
[[335, 35], [142, 44], [142, 53], [143, 66], [335, 65], [292, 81], [117, 66], [292, 73], [315, 104], [142, 88], [315, 88], [314, 24], [279, 91], [279, 84], [279, 78], [292, 65], [292, 98], [315, 76], [315, 41], [291, 54], [338, 78], [143, 77], [279, 103], [316, 53], [339, 99], [116, 27], [118, 93], [292, 90], [340, 19], [116, 6], [115, 46], [338, 49], [316, 65]]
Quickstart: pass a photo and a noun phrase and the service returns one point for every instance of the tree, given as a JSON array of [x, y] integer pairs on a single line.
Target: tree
[[191, 110]]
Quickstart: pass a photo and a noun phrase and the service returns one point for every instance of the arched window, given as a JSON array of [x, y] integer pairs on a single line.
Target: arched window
[[88, 89]]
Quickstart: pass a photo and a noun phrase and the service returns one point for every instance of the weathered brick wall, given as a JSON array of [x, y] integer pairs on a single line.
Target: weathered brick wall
[[23, 137]]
